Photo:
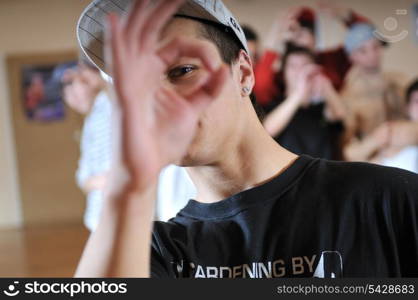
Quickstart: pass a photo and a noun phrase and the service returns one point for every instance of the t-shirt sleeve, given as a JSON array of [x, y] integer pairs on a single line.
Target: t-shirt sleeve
[[159, 263]]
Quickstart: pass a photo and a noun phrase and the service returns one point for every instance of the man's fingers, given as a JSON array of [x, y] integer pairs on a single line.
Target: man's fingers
[[113, 45], [204, 92], [211, 90], [200, 82], [169, 99], [217, 82], [159, 16], [136, 18], [203, 50], [137, 13]]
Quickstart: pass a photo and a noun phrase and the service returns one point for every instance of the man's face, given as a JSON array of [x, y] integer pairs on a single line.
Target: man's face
[[217, 126], [413, 106], [368, 56]]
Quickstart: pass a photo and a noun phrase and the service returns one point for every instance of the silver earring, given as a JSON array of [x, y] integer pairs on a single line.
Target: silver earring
[[246, 90]]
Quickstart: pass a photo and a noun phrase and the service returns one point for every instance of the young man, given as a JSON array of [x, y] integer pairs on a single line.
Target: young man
[[183, 87]]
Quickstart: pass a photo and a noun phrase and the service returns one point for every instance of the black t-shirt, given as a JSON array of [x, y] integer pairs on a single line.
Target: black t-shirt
[[309, 132], [319, 218]]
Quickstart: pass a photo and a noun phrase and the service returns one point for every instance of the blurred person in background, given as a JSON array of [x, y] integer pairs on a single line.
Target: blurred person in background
[[382, 150], [297, 26], [373, 96], [85, 92], [307, 116]]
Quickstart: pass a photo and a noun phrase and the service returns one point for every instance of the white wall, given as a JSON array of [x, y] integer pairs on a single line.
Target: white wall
[[10, 213]]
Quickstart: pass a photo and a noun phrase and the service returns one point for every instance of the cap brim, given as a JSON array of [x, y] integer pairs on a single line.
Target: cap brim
[[91, 25]]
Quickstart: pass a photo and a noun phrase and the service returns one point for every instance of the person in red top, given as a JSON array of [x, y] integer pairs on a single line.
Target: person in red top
[[297, 27]]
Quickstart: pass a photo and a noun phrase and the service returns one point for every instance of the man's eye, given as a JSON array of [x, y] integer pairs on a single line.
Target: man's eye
[[178, 72]]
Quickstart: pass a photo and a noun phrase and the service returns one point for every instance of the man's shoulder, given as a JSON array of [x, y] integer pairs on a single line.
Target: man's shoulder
[[170, 228], [360, 175]]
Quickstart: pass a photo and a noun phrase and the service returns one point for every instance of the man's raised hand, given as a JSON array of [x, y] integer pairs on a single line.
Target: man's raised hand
[[158, 123]]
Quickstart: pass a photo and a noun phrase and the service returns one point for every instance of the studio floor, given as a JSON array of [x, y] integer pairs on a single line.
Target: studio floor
[[41, 251]]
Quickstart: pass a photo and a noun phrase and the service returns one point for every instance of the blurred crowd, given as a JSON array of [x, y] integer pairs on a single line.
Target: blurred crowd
[[337, 104]]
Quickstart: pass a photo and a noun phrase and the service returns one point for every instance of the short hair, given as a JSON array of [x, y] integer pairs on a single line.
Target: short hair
[[249, 33], [224, 39], [413, 87]]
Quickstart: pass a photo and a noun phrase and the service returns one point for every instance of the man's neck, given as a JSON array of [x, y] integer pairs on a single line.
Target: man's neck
[[254, 161]]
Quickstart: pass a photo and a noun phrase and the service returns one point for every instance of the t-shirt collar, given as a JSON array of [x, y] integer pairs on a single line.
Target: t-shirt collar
[[233, 205]]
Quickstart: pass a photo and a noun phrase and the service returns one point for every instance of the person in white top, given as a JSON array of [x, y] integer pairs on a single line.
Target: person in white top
[[84, 92]]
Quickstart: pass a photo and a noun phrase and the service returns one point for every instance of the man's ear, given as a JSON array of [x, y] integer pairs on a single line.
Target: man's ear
[[247, 79]]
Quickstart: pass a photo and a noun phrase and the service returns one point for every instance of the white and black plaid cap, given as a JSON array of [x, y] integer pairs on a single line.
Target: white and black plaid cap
[[91, 25]]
